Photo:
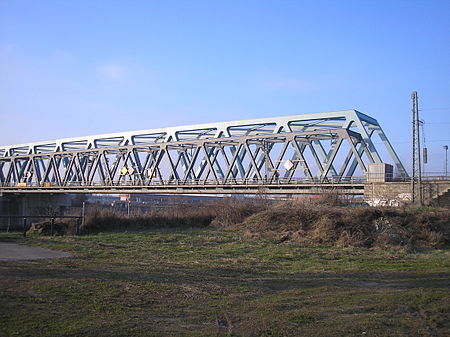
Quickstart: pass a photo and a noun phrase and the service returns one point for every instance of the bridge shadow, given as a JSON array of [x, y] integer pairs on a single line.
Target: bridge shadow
[[226, 276]]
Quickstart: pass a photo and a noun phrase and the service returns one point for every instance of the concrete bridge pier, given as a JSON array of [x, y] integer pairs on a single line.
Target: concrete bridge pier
[[32, 205]]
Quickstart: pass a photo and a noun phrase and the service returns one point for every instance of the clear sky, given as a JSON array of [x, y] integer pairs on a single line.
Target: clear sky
[[74, 68]]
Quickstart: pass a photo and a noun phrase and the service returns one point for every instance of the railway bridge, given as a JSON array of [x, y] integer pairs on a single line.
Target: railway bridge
[[299, 154]]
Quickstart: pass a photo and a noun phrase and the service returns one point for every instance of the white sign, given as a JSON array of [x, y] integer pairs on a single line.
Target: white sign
[[288, 165]]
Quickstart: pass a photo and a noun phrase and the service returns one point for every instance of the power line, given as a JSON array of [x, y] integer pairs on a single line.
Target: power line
[[430, 109], [409, 142]]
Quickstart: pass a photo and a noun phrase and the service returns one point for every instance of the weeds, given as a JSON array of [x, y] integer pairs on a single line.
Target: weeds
[[305, 221], [308, 222]]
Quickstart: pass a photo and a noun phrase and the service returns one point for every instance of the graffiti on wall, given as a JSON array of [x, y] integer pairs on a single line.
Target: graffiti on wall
[[399, 200]]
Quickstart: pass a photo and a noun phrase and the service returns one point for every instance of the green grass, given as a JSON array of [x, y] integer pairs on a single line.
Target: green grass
[[209, 282]]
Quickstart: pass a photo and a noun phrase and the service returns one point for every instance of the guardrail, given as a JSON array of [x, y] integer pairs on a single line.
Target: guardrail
[[275, 181]]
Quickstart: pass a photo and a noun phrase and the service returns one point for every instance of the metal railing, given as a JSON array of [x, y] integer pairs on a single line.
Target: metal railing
[[229, 181]]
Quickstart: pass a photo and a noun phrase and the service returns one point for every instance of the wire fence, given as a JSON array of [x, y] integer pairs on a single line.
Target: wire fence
[[22, 223]]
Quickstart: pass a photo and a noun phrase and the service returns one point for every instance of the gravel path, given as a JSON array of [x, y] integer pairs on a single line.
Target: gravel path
[[15, 252]]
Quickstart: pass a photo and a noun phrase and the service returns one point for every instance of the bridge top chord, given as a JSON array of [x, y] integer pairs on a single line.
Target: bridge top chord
[[303, 122]]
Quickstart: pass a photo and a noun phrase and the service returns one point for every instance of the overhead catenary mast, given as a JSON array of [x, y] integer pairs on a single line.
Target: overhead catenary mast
[[416, 179]]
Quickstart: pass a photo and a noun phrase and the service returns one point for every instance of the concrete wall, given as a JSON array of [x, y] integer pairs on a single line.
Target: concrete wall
[[31, 204], [399, 193], [387, 193]]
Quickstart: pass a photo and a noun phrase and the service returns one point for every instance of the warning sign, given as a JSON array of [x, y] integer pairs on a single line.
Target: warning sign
[[288, 165], [123, 171]]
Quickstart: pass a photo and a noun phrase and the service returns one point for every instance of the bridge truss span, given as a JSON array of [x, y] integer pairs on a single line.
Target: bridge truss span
[[292, 153]]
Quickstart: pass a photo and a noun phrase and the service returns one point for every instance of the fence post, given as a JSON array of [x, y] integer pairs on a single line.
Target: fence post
[[51, 226], [77, 229], [24, 227], [83, 212]]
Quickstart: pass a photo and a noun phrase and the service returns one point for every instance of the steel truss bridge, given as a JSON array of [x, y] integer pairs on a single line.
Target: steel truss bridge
[[291, 154]]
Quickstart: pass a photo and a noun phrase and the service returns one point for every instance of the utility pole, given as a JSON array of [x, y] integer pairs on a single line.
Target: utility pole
[[446, 162], [416, 180]]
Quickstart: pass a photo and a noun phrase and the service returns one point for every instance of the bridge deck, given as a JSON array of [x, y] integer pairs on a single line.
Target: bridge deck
[[355, 187]]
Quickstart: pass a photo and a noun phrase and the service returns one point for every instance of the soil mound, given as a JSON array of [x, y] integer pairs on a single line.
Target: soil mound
[[349, 226]]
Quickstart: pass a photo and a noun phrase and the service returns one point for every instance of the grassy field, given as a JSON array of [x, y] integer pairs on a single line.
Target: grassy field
[[211, 282]]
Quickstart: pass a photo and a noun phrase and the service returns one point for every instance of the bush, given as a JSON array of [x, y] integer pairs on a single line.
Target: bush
[[312, 223], [106, 219], [306, 221]]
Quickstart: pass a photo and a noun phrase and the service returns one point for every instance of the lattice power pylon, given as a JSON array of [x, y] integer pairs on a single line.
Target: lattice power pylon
[[416, 179], [318, 148]]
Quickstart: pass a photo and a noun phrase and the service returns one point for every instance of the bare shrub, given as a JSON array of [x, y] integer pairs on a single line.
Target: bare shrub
[[231, 211], [307, 221], [311, 223], [331, 198], [431, 228], [101, 219]]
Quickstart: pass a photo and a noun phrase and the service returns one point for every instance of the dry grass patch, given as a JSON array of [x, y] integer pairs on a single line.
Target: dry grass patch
[[312, 223]]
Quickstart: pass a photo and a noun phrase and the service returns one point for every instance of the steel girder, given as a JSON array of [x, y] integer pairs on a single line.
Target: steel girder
[[249, 150]]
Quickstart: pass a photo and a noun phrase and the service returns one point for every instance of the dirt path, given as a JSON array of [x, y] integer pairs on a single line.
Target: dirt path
[[16, 252]]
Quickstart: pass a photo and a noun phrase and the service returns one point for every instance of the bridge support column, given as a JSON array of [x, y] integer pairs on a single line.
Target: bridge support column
[[31, 204]]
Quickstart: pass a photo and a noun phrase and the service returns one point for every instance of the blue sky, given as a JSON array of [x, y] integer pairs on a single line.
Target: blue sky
[[74, 68]]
